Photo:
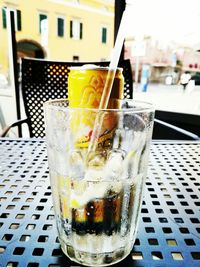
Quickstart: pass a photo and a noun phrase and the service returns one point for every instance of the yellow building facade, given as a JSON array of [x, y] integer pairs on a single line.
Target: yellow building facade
[[68, 30]]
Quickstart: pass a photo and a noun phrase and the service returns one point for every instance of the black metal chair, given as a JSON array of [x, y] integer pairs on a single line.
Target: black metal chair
[[42, 80], [176, 126]]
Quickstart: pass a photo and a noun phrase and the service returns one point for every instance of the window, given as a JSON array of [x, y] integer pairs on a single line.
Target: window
[[75, 58], [4, 18], [104, 35], [19, 24], [42, 19], [17, 18], [60, 27], [76, 29]]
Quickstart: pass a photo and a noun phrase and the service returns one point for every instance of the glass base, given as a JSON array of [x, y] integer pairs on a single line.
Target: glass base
[[95, 259]]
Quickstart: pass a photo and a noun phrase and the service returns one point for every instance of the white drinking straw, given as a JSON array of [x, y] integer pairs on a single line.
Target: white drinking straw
[[109, 80]]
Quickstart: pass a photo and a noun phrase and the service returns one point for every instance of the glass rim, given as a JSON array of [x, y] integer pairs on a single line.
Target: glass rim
[[139, 106]]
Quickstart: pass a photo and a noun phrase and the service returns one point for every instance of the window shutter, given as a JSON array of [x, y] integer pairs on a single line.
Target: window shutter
[[81, 30], [41, 17], [71, 28], [19, 25], [4, 17], [60, 27], [104, 35]]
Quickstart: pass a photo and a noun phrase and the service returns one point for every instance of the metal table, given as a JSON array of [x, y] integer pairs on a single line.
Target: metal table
[[169, 229]]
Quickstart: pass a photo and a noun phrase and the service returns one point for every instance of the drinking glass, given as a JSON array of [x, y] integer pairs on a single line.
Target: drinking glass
[[97, 194]]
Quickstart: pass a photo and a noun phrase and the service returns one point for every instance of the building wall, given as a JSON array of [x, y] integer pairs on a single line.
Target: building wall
[[92, 13], [160, 59]]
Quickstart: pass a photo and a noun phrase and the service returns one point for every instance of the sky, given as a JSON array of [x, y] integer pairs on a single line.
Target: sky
[[167, 20]]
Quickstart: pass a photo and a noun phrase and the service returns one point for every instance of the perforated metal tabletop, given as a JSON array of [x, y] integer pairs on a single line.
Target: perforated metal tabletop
[[169, 229]]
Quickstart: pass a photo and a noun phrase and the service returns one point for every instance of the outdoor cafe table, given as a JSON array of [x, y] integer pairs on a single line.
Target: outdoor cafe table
[[169, 228]]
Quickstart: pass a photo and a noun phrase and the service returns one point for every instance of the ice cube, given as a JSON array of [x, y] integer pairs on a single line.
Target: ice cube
[[127, 141], [92, 191], [61, 162], [79, 186], [76, 165], [118, 138], [139, 141], [128, 165], [114, 166], [96, 159], [134, 121], [94, 174], [134, 161]]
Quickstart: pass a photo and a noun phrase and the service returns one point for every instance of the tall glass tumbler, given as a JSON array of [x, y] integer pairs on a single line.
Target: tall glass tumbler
[[97, 195]]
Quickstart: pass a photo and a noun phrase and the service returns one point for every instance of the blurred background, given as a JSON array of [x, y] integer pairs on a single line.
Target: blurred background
[[162, 43]]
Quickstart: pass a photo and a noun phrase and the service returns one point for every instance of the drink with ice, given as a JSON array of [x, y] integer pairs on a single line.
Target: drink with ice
[[97, 194]]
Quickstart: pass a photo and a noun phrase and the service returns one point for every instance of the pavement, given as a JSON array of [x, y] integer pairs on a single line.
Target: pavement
[[171, 98], [164, 97]]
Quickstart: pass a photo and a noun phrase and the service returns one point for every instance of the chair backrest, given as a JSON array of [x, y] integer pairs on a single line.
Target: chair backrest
[[43, 80]]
